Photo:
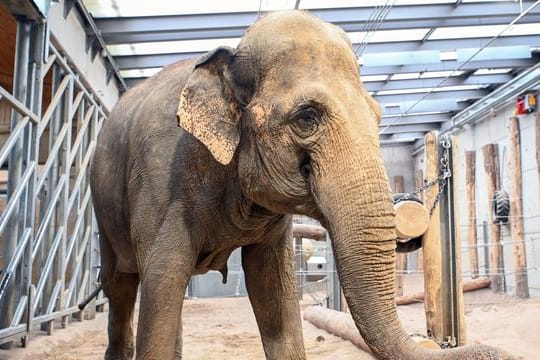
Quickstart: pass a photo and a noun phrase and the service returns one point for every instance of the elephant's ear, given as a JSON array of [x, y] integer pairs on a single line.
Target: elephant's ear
[[208, 109]]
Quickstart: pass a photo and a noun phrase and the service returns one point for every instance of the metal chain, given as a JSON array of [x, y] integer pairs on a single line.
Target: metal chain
[[441, 179]]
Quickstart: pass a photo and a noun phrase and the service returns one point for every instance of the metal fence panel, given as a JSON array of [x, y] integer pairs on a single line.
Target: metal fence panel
[[48, 239]]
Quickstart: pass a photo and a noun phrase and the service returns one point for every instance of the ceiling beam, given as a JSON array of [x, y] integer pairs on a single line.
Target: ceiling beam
[[448, 65], [158, 60], [416, 119], [350, 19], [409, 128], [454, 95], [426, 105], [125, 37], [436, 82]]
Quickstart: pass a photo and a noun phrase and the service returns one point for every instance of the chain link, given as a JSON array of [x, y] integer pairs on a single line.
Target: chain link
[[441, 179]]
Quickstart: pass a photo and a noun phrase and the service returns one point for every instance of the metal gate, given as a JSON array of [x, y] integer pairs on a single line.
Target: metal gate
[[48, 239]]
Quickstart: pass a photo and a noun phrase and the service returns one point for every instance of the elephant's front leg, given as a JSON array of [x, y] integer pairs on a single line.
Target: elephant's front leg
[[163, 285], [271, 284]]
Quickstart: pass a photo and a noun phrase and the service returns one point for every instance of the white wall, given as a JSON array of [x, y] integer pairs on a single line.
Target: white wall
[[399, 162], [492, 129], [70, 33]]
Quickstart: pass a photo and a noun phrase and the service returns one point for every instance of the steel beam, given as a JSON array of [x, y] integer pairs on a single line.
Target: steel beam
[[449, 65], [351, 19], [451, 44], [454, 95], [403, 69], [176, 34], [158, 60], [446, 105], [409, 128], [416, 119], [436, 82]]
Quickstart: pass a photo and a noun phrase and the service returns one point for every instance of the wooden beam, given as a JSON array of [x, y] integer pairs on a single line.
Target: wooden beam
[[470, 179], [418, 182], [516, 209], [432, 245], [401, 259], [491, 166]]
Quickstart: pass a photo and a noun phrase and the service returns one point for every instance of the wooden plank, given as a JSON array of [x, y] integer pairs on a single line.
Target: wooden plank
[[493, 177], [470, 179], [461, 303], [516, 209], [418, 182], [401, 259], [432, 245]]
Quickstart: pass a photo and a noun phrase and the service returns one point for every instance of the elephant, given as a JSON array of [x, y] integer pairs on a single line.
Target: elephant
[[217, 153]]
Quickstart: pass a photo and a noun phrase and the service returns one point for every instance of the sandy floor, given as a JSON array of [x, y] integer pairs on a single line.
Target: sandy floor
[[225, 329]]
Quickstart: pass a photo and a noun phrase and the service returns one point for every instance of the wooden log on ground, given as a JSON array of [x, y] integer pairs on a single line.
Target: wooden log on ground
[[516, 209], [493, 177], [418, 182], [342, 325], [470, 178], [432, 245], [471, 285], [336, 323], [401, 259], [309, 231]]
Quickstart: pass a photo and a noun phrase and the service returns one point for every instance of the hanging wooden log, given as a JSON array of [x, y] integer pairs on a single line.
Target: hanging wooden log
[[418, 182], [432, 244], [493, 177], [401, 259], [470, 178], [516, 209], [471, 285], [412, 219]]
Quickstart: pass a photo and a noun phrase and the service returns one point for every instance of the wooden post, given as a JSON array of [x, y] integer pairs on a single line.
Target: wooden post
[[491, 166], [516, 209], [461, 304], [401, 259], [432, 245], [470, 178], [419, 181]]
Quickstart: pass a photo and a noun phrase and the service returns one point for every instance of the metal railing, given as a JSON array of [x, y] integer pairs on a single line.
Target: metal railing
[[48, 239]]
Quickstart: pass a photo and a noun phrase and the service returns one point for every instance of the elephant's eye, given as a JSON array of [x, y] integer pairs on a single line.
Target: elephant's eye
[[309, 115], [307, 120]]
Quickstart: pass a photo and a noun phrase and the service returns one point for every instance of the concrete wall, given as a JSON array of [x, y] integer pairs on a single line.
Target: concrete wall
[[492, 129], [399, 162]]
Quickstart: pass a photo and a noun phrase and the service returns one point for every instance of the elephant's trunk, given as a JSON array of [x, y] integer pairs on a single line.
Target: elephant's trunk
[[354, 198]]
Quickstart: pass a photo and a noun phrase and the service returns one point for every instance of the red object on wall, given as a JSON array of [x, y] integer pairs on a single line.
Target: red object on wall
[[526, 103]]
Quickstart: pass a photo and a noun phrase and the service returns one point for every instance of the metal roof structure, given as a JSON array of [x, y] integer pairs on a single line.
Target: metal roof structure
[[423, 61]]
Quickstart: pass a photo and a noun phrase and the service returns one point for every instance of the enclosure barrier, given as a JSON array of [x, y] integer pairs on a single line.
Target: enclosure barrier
[[48, 239]]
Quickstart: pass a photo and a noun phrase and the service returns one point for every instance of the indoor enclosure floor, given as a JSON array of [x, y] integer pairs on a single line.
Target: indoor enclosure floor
[[225, 328]]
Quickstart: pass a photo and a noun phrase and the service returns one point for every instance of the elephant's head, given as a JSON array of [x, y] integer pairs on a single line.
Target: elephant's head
[[289, 104]]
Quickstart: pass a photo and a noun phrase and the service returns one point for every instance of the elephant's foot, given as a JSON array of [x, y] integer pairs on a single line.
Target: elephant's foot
[[116, 353]]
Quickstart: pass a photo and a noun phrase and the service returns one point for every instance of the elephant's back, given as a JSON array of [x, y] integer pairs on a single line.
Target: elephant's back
[[144, 113]]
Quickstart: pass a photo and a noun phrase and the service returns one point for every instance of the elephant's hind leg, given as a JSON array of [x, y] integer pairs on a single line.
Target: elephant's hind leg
[[271, 285], [121, 290]]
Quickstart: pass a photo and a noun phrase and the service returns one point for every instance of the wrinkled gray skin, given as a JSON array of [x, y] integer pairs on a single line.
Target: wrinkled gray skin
[[281, 125]]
